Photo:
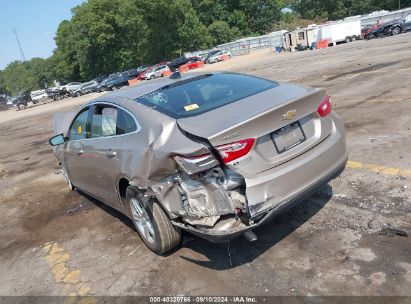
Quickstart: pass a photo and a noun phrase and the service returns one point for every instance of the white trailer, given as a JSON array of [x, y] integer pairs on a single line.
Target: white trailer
[[338, 31]]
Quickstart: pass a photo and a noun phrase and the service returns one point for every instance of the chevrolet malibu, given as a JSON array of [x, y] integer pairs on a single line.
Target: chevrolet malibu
[[213, 154]]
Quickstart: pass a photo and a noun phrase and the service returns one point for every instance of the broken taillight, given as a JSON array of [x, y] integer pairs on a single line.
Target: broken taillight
[[232, 151], [325, 107], [228, 152], [196, 164]]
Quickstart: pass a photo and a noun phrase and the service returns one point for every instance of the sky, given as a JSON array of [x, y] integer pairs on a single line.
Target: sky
[[36, 23]]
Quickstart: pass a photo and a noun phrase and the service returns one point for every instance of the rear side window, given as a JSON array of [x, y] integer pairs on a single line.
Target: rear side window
[[108, 120], [125, 123], [204, 93]]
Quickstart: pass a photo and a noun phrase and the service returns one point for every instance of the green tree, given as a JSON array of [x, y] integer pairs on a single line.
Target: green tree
[[220, 32]]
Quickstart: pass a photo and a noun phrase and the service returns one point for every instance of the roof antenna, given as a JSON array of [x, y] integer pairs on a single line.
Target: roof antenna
[[175, 75]]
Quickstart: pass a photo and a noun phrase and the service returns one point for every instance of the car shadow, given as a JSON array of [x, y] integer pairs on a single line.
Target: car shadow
[[222, 256], [113, 212], [239, 251]]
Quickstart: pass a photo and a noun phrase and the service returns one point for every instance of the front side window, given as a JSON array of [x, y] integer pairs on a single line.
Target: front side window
[[78, 129], [108, 120]]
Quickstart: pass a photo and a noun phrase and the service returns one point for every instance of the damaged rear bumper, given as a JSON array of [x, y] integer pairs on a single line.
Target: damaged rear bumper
[[219, 236], [274, 191]]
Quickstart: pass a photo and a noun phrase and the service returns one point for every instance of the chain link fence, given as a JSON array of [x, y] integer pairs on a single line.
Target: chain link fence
[[274, 41]]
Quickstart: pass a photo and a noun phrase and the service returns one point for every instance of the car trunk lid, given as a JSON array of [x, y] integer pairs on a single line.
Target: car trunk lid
[[266, 117]]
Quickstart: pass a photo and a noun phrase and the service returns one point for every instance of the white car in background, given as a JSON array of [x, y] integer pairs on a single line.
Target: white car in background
[[216, 56], [156, 72], [72, 86], [38, 95]]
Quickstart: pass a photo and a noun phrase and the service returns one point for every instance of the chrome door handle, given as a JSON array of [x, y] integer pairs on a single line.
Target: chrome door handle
[[111, 153]]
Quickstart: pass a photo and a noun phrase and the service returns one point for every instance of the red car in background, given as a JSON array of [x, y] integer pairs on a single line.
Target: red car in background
[[368, 32], [195, 63]]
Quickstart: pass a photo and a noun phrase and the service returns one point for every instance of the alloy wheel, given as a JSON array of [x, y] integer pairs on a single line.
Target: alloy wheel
[[142, 221]]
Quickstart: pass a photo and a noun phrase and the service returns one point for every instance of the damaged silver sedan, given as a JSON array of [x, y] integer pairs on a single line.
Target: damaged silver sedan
[[213, 154]]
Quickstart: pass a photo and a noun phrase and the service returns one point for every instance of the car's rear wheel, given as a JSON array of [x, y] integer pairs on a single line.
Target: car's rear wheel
[[151, 222], [21, 106], [78, 94], [114, 88], [152, 77]]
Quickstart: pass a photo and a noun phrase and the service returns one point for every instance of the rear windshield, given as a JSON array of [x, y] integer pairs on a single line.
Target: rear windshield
[[204, 93]]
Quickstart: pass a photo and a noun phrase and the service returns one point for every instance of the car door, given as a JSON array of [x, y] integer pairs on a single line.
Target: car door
[[75, 160], [110, 125], [407, 23]]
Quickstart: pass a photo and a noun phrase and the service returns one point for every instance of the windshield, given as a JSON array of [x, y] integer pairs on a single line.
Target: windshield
[[204, 93]]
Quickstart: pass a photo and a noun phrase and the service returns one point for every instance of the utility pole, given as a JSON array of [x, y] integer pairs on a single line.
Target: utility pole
[[19, 44], [399, 4]]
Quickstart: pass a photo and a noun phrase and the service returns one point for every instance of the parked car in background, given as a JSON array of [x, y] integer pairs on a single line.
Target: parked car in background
[[101, 86], [210, 54], [368, 32], [391, 28], [202, 56], [22, 100], [399, 26], [72, 86], [149, 69], [194, 62], [56, 93], [99, 78], [176, 63], [216, 57], [85, 88], [216, 178], [156, 72], [142, 68], [39, 95], [5, 104], [406, 23], [131, 73], [113, 83]]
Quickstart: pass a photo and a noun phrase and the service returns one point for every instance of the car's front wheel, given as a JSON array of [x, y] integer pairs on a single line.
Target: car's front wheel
[[21, 106], [151, 222]]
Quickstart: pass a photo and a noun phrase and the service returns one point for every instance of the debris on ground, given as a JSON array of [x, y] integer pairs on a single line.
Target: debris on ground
[[74, 209]]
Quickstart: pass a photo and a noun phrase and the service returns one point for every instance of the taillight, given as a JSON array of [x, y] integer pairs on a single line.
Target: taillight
[[232, 151], [325, 107], [228, 152]]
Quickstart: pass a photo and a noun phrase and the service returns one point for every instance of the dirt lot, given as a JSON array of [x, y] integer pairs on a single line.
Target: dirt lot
[[351, 238]]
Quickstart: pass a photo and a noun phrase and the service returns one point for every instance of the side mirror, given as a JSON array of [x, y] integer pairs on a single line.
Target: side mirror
[[57, 140]]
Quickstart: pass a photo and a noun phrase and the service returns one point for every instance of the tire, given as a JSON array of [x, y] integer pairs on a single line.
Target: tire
[[114, 88], [347, 40], [353, 38], [151, 222], [78, 94], [21, 106], [396, 30], [35, 101], [151, 77]]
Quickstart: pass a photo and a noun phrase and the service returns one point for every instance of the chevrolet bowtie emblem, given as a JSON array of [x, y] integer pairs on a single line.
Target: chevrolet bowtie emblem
[[289, 115]]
